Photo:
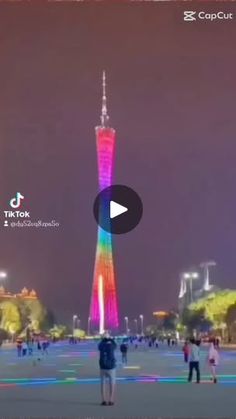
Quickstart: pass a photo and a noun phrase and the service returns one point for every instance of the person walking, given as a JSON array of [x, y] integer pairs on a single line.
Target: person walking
[[24, 348], [185, 350], [107, 363], [45, 345], [124, 350], [194, 359], [213, 360]]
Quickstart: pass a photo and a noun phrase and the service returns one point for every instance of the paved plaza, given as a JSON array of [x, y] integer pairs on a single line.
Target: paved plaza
[[65, 384]]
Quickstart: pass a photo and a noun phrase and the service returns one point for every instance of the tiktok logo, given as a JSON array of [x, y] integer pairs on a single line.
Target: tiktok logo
[[16, 201]]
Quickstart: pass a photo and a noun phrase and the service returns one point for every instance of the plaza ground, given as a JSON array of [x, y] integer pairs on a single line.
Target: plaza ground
[[64, 384]]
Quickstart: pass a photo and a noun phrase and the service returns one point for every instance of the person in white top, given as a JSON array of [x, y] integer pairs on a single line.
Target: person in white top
[[213, 360]]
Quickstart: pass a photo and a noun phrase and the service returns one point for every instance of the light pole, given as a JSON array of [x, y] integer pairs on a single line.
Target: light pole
[[75, 317], [190, 276], [136, 326], [89, 324], [206, 266], [141, 321], [126, 325]]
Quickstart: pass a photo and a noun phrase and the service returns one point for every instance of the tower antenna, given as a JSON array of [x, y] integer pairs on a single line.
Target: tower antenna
[[104, 115]]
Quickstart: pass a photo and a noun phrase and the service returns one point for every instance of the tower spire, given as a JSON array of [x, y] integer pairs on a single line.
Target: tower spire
[[104, 116]]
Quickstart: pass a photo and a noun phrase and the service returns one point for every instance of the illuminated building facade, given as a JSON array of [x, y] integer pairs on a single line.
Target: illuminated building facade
[[25, 294], [103, 308]]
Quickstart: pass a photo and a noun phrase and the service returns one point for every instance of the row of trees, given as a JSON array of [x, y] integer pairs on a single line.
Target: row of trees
[[16, 314], [213, 314], [216, 312]]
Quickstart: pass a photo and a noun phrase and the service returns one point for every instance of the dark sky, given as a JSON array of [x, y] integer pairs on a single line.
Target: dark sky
[[171, 92]]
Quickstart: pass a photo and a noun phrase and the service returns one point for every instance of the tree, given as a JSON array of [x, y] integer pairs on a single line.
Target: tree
[[48, 320], [37, 313], [3, 335], [215, 307], [79, 333], [10, 317], [195, 320], [170, 322], [58, 331], [230, 320]]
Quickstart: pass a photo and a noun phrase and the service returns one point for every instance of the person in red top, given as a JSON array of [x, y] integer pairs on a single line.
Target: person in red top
[[186, 351]]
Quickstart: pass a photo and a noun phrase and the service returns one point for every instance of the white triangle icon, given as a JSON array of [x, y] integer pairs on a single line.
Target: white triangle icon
[[116, 209]]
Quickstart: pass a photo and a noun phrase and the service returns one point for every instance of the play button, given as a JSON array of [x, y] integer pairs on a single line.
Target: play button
[[118, 209]]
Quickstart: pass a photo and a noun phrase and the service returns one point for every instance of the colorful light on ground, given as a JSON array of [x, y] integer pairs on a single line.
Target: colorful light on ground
[[13, 382], [104, 266]]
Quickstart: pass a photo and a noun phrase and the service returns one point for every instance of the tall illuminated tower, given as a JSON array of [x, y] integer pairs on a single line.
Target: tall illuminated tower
[[103, 308]]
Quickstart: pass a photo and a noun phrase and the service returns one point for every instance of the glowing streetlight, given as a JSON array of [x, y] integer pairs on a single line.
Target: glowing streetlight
[[136, 325], [75, 318], [206, 265], [190, 276], [141, 320], [3, 275], [126, 325], [89, 326]]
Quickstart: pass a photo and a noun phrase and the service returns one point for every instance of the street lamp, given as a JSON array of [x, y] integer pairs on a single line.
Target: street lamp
[[141, 320], [136, 326], [126, 325], [190, 276], [75, 317], [206, 265], [89, 325]]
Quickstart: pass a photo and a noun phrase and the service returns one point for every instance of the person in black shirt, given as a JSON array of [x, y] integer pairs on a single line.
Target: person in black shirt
[[107, 363]]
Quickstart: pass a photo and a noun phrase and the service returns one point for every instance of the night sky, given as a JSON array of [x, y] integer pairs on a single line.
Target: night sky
[[171, 99]]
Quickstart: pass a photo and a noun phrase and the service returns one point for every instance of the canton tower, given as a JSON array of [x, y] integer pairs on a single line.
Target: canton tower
[[103, 308]]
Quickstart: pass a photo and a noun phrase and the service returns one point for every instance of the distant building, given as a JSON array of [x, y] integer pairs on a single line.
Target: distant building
[[25, 294]]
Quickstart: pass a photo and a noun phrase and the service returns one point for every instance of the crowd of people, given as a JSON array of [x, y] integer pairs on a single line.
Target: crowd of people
[[108, 362], [32, 346], [38, 346]]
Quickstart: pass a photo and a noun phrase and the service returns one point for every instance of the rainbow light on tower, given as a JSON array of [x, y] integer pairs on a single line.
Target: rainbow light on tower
[[103, 308], [101, 305]]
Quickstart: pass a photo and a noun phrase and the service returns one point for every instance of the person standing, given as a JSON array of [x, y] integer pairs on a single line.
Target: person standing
[[124, 350], [30, 347], [107, 363], [185, 350], [19, 347], [213, 360], [194, 359]]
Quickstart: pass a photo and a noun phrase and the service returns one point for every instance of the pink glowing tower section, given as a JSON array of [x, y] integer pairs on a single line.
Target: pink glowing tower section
[[103, 308]]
